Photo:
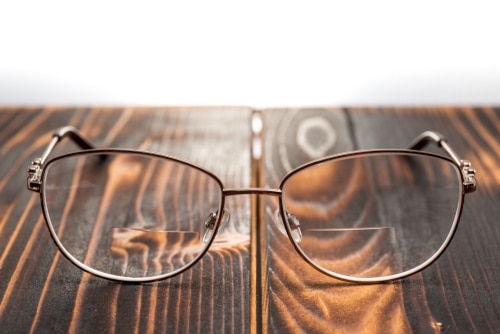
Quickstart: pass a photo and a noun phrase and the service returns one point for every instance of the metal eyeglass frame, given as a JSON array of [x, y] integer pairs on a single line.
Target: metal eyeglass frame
[[36, 177]]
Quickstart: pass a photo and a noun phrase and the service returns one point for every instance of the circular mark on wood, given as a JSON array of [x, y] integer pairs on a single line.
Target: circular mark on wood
[[315, 136]]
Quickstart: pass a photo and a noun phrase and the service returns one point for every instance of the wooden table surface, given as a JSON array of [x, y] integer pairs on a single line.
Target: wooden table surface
[[253, 280]]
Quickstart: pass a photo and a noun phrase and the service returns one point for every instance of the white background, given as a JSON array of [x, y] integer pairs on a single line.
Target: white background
[[256, 53]]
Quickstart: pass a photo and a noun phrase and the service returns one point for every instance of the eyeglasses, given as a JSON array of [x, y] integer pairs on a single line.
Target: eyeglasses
[[364, 216]]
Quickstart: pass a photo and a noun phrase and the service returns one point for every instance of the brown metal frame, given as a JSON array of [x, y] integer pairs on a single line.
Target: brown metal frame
[[36, 178]]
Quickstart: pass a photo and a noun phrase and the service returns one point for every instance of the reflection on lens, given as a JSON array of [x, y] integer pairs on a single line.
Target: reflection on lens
[[130, 214], [375, 214]]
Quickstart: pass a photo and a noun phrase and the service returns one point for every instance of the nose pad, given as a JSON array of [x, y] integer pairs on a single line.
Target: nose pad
[[293, 222], [210, 224]]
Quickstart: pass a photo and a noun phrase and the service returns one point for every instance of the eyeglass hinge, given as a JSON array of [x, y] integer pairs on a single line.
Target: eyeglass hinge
[[35, 175], [469, 174]]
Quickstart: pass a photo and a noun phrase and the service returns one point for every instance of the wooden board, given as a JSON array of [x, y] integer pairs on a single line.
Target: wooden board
[[41, 291], [458, 293], [254, 281]]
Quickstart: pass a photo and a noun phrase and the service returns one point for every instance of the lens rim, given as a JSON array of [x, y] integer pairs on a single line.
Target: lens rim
[[121, 278], [379, 279]]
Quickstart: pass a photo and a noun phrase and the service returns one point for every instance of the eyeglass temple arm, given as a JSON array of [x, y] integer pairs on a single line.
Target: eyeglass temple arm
[[433, 137], [35, 169], [70, 132]]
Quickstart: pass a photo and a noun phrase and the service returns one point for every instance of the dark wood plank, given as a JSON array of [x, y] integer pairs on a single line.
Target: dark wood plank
[[458, 293], [461, 289], [41, 291]]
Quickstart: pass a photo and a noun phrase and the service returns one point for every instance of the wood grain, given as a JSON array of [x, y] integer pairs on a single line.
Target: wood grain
[[244, 284], [458, 293], [41, 291]]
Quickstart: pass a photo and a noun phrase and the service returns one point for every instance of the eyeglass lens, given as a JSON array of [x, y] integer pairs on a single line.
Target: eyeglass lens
[[375, 214], [131, 215]]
